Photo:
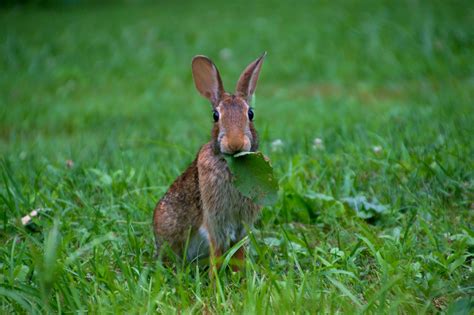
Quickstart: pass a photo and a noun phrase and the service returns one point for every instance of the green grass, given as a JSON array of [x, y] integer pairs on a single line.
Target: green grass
[[110, 88]]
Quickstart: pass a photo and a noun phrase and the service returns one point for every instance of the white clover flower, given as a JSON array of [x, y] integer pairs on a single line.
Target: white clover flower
[[225, 53], [25, 220], [318, 144], [377, 149], [277, 145]]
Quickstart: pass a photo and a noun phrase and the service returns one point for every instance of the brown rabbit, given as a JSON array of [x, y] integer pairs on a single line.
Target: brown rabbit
[[202, 212]]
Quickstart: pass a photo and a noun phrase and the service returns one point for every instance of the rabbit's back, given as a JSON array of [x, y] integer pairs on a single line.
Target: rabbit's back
[[179, 213]]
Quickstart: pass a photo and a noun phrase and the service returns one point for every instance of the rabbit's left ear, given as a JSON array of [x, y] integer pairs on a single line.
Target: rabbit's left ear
[[248, 79]]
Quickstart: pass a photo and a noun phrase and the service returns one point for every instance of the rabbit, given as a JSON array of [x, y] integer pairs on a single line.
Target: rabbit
[[202, 212]]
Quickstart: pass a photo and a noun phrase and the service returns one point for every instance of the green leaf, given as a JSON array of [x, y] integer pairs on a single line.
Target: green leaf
[[461, 306], [364, 208], [253, 177]]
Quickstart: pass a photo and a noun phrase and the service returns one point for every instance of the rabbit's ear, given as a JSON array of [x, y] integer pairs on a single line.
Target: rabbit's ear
[[248, 79], [207, 79]]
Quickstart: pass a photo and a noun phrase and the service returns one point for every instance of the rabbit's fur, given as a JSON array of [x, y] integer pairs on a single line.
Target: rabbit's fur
[[202, 212]]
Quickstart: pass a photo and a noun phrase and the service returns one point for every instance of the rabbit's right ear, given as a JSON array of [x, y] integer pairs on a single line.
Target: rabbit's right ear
[[207, 79]]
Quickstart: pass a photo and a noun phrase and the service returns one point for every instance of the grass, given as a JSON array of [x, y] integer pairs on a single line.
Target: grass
[[388, 86]]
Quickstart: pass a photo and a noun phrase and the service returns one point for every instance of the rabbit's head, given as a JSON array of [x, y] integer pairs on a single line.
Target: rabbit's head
[[233, 130]]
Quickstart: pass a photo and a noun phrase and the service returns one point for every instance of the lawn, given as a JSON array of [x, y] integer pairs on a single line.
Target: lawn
[[365, 109]]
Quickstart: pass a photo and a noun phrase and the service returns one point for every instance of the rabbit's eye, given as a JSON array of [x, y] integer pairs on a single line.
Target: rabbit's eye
[[215, 115], [251, 114]]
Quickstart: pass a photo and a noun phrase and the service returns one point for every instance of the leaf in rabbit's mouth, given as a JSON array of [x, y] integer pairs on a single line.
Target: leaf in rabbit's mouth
[[253, 177]]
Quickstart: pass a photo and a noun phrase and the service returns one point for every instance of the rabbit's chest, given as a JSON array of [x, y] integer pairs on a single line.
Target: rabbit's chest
[[226, 211]]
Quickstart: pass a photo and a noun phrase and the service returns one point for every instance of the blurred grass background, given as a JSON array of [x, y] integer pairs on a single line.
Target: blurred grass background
[[387, 85]]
